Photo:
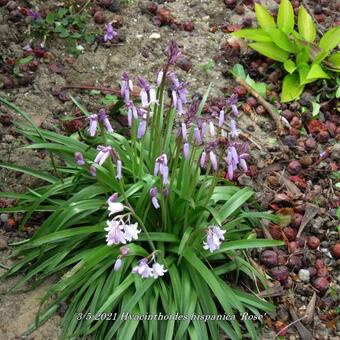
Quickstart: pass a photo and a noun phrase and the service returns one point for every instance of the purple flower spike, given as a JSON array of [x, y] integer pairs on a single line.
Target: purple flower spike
[[141, 129], [34, 15], [102, 116], [78, 157], [112, 198], [93, 125], [144, 98], [115, 234], [203, 159], [110, 32], [213, 160], [126, 87], [232, 102], [186, 150], [212, 129], [93, 170], [197, 135], [173, 52], [204, 129], [153, 95], [147, 93], [221, 118], [165, 175], [179, 96], [153, 194], [103, 154], [158, 270], [131, 231], [160, 75], [233, 130], [214, 237], [119, 170], [124, 250], [232, 160], [118, 264], [132, 112], [143, 269], [184, 132]]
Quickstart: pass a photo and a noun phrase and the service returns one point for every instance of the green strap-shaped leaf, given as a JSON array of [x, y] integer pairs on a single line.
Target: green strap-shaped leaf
[[255, 34], [35, 173], [306, 25], [291, 88], [316, 72], [270, 50], [245, 244], [285, 17], [303, 72], [334, 59], [281, 40], [330, 39], [264, 18], [289, 66]]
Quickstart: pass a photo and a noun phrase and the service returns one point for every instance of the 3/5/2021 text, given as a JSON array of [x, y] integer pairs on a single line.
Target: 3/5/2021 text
[[164, 317]]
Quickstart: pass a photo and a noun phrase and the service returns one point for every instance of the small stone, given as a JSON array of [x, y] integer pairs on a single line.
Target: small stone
[[188, 26], [155, 36], [294, 167], [184, 63], [4, 218], [246, 181], [336, 250], [99, 18], [304, 275]]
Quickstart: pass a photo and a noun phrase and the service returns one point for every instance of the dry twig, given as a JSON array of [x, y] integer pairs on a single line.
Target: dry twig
[[269, 107]]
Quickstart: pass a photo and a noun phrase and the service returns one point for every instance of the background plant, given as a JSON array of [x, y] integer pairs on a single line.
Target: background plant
[[164, 179], [305, 60], [67, 24]]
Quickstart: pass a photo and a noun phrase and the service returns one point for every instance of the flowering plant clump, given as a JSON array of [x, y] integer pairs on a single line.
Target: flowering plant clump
[[144, 224]]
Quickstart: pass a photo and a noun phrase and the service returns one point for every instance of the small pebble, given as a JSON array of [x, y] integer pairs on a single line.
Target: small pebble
[[155, 36], [304, 275], [4, 218]]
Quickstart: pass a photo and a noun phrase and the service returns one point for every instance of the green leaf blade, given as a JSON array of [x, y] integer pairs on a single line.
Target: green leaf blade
[[285, 17], [264, 18], [306, 25], [270, 50], [291, 88]]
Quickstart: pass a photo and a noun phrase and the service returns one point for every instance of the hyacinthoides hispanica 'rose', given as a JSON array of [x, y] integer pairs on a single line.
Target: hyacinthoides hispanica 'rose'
[[197, 133]]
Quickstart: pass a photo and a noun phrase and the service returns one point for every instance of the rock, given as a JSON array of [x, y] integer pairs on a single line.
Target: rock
[[336, 152], [4, 218], [155, 36], [246, 181], [184, 63], [3, 242], [304, 275]]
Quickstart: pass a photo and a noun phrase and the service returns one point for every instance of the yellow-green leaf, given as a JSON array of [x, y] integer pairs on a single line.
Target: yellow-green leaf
[[265, 19], [289, 66], [281, 40], [270, 50], [291, 88], [316, 72], [303, 56], [304, 69], [335, 59], [285, 17], [255, 34], [330, 39], [306, 25]]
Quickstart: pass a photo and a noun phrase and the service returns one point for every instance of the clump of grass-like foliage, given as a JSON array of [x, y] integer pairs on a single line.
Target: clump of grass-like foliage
[[175, 228]]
